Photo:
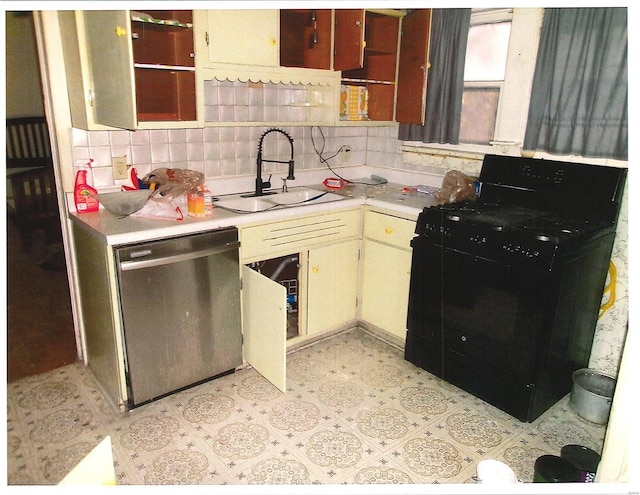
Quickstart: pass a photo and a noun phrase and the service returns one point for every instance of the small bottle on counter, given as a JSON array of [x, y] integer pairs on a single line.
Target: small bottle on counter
[[208, 200], [200, 202]]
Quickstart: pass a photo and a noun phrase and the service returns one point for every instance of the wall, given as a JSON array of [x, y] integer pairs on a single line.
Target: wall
[[22, 71]]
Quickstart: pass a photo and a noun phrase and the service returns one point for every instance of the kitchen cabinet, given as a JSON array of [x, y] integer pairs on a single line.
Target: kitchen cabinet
[[132, 69], [306, 38], [386, 271], [264, 326], [332, 286], [413, 66], [265, 53], [243, 37], [272, 239], [327, 246], [164, 65], [100, 315], [383, 59]]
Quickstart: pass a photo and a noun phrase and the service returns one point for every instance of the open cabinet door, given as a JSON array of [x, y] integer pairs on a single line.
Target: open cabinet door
[[412, 67], [110, 54], [264, 313], [348, 39]]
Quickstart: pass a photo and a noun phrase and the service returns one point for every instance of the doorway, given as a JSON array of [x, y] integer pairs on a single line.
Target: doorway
[[40, 330]]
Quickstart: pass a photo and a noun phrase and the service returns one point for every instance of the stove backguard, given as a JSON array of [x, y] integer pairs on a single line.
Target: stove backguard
[[572, 190]]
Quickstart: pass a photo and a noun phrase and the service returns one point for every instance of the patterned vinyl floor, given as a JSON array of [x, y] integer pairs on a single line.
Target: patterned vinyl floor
[[355, 412]]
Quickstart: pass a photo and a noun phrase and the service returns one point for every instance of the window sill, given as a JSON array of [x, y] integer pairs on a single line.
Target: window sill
[[441, 158], [471, 151]]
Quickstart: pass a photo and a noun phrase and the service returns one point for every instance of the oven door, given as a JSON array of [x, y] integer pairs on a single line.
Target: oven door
[[493, 322]]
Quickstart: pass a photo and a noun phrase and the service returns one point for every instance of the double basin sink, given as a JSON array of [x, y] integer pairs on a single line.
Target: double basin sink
[[297, 197]]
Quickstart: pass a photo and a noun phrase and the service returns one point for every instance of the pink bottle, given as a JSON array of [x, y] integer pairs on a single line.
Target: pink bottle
[[83, 194]]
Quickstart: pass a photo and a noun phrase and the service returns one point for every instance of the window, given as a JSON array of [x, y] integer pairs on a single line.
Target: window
[[484, 74]]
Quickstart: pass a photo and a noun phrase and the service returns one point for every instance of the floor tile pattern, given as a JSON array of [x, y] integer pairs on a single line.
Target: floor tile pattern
[[355, 412]]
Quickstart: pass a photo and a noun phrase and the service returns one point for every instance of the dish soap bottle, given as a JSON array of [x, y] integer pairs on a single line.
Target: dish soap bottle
[[82, 194]]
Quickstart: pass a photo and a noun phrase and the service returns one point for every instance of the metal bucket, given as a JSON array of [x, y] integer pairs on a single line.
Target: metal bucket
[[592, 394]]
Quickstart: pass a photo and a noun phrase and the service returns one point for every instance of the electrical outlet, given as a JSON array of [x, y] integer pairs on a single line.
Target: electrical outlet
[[345, 154], [120, 167]]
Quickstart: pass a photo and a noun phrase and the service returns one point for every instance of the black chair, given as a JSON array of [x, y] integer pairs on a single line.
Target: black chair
[[32, 203]]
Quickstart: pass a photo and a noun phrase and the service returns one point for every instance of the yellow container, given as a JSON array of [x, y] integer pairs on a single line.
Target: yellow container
[[195, 204]]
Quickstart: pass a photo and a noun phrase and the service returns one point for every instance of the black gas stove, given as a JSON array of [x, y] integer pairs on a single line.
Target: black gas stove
[[505, 290], [511, 234]]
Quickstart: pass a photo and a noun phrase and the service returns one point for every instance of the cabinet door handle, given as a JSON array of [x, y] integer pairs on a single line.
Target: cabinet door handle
[[120, 31], [315, 269], [272, 42], [388, 230]]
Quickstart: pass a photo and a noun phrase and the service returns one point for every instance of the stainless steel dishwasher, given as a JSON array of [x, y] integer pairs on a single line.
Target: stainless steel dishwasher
[[180, 306]]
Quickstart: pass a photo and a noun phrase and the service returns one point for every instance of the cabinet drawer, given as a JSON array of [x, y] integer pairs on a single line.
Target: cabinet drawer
[[389, 229], [301, 233]]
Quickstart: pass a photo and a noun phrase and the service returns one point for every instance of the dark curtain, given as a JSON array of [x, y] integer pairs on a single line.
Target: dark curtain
[[445, 79], [579, 91]]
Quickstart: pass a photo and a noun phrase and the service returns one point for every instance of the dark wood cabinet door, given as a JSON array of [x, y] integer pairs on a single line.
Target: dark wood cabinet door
[[412, 68], [349, 39]]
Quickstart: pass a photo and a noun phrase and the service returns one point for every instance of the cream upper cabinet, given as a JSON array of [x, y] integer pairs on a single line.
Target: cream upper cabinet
[[130, 69], [243, 37], [109, 55]]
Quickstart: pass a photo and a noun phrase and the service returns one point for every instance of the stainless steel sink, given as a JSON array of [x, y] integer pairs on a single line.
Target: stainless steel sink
[[294, 197], [249, 205], [298, 196]]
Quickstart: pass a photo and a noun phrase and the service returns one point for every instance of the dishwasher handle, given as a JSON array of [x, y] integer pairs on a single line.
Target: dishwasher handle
[[175, 258]]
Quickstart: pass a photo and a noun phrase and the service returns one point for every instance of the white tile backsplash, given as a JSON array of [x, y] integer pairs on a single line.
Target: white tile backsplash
[[178, 152], [140, 137], [99, 138], [159, 136], [232, 151], [160, 153]]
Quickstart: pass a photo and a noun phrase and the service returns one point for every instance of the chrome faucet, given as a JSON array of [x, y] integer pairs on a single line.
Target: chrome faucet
[[260, 185]]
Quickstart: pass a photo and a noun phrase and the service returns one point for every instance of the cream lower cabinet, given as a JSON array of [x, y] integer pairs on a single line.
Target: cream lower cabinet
[[332, 286], [104, 348], [327, 246], [386, 272]]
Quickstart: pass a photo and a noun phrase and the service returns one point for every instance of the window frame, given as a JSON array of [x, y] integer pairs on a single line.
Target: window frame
[[515, 93]]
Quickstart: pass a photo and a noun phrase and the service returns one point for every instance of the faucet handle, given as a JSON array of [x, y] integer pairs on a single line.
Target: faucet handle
[[284, 184], [267, 184]]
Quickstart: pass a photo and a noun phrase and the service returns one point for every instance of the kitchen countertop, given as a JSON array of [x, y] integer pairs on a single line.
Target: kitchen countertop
[[117, 231]]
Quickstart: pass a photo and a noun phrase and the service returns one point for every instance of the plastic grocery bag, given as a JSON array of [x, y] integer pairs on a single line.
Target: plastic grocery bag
[[160, 208], [171, 183], [456, 187]]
